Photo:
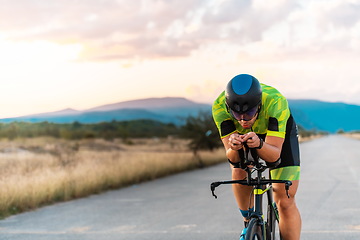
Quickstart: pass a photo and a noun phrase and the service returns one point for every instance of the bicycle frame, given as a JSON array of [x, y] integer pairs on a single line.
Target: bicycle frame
[[261, 186]]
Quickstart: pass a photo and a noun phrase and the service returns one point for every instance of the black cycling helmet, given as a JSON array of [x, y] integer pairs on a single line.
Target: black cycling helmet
[[243, 93]]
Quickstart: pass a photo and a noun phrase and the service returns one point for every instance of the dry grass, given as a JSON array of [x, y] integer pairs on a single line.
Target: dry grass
[[352, 135], [40, 171], [35, 172]]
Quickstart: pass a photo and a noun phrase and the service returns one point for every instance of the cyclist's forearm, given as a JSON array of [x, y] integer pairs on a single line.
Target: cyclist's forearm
[[231, 151], [232, 155], [269, 152]]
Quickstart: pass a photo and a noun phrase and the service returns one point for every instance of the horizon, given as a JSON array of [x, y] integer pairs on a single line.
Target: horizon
[[140, 99], [75, 54]]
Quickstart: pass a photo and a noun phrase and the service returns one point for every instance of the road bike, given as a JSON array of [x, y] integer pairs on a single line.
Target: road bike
[[259, 228]]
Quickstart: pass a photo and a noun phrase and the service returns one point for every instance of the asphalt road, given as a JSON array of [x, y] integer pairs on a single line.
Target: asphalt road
[[181, 206]]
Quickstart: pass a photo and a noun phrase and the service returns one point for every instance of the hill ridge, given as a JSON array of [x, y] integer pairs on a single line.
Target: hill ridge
[[140, 103], [310, 114]]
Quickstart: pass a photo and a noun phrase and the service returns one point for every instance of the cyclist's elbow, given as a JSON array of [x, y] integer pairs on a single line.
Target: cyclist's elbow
[[274, 157], [271, 157], [274, 164]]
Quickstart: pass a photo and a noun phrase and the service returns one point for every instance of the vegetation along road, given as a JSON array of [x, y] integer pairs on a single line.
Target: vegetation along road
[[181, 206]]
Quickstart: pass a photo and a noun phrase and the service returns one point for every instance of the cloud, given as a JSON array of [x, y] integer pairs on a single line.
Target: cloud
[[326, 27], [343, 14], [125, 29], [147, 29]]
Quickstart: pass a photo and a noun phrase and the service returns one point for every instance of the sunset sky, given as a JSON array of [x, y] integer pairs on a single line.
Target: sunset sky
[[57, 54]]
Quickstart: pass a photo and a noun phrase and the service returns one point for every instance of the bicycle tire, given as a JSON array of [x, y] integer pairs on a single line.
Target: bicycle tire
[[254, 230], [272, 224]]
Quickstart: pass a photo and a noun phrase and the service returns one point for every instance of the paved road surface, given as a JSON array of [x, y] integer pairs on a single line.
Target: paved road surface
[[181, 206]]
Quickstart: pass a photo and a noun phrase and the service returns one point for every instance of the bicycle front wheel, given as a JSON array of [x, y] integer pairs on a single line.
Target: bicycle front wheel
[[254, 230]]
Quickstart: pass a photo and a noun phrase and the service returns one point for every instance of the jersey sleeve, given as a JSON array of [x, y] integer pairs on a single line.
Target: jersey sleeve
[[278, 115], [222, 118]]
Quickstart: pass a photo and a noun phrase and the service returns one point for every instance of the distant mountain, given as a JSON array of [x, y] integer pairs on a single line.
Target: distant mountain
[[67, 111], [326, 116], [168, 110], [310, 114], [151, 103]]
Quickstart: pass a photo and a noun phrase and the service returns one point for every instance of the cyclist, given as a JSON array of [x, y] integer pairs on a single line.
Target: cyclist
[[252, 113]]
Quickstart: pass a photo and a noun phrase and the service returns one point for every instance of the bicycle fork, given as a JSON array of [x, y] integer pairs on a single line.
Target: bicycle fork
[[258, 192]]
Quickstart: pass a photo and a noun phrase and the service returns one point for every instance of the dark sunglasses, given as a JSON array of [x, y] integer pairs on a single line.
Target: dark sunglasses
[[247, 116]]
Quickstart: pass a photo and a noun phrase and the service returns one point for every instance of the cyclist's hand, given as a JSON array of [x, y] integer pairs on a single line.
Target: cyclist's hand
[[252, 140], [236, 141]]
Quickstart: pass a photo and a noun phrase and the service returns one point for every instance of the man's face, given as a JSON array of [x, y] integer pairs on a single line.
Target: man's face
[[248, 124]]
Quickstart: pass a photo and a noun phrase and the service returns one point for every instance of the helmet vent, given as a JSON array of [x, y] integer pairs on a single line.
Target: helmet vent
[[245, 107], [237, 107]]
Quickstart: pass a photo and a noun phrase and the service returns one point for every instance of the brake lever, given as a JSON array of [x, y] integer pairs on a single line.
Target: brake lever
[[212, 187], [214, 195], [287, 188]]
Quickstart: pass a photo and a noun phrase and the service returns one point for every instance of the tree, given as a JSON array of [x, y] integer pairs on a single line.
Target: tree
[[202, 132], [340, 131]]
